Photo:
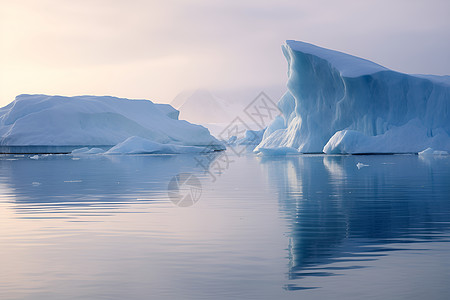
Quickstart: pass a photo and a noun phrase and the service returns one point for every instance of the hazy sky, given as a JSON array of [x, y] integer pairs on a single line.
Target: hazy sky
[[155, 49]]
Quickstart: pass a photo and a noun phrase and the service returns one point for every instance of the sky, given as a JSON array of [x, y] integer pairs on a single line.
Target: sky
[[156, 49]]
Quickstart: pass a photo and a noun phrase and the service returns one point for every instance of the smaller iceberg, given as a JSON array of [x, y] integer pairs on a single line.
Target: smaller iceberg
[[57, 124]]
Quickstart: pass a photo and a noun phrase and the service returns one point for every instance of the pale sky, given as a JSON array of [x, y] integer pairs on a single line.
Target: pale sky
[[156, 49]]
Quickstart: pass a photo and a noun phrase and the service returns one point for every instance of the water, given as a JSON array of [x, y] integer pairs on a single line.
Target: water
[[298, 227]]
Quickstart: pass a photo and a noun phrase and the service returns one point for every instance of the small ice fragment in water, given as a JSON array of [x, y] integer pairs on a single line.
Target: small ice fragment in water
[[34, 157], [432, 152], [361, 165]]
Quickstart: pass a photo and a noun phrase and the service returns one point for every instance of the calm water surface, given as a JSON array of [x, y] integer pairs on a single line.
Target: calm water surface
[[299, 227]]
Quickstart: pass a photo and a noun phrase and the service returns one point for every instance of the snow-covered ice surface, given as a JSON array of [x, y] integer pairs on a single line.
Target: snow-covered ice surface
[[341, 104], [32, 120]]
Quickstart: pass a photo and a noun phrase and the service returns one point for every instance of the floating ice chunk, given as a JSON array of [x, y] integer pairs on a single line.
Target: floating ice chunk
[[34, 157], [87, 151], [138, 145], [409, 138], [80, 150], [432, 152], [361, 165], [277, 151]]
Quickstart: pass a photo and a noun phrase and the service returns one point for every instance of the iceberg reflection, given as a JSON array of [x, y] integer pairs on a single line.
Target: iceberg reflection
[[339, 213]]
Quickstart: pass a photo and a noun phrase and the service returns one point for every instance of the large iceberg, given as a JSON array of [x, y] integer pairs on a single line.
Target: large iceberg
[[41, 120], [338, 103]]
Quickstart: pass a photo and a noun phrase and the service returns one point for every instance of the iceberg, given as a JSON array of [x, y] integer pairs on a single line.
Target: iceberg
[[341, 104], [96, 121]]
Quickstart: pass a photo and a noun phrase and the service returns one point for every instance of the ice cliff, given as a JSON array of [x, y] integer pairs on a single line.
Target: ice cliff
[[93, 121], [338, 103]]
